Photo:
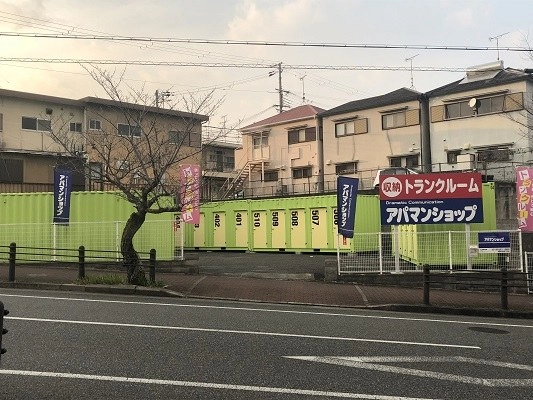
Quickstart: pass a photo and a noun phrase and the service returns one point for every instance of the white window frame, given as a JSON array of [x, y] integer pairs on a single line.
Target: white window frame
[[38, 124]]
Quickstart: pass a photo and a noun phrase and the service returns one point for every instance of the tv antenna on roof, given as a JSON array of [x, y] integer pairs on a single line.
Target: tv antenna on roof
[[303, 88], [497, 38], [411, 60]]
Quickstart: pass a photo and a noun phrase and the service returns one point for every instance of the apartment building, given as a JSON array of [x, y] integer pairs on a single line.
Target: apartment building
[[363, 136], [280, 155], [28, 155], [483, 122], [96, 134]]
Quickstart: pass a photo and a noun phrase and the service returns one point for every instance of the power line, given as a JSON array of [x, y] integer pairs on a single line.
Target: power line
[[229, 65], [258, 43]]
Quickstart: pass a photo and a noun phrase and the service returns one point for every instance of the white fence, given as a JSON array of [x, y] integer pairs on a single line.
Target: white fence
[[163, 236], [410, 251]]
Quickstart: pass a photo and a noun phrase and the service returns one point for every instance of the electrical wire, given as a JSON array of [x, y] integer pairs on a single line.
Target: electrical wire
[[259, 43]]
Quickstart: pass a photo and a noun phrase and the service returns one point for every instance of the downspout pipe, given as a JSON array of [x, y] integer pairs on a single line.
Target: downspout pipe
[[319, 154], [425, 135]]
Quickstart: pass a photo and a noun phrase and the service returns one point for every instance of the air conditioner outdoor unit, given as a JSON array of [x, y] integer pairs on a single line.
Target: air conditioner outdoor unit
[[466, 161]]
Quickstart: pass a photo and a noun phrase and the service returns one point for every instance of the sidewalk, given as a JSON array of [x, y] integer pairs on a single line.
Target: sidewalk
[[256, 289]]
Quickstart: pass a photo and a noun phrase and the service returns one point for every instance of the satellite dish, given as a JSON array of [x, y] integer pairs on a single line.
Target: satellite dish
[[473, 103]]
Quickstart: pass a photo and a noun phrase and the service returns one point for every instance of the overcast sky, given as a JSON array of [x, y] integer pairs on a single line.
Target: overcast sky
[[250, 94]]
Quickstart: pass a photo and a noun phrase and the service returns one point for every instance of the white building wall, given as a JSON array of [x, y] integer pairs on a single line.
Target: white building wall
[[469, 134], [371, 150]]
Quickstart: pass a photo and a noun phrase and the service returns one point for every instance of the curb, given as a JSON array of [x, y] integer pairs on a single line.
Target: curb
[[107, 289]]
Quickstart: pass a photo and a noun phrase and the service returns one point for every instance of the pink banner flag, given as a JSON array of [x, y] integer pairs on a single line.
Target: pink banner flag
[[190, 178], [524, 194]]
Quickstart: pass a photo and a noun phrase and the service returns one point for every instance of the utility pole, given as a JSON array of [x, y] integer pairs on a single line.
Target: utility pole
[[161, 96]]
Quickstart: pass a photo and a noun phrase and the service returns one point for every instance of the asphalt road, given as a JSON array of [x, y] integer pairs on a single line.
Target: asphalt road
[[213, 262], [86, 346]]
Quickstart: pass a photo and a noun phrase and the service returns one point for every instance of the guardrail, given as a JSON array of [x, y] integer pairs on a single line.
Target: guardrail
[[34, 255], [503, 281]]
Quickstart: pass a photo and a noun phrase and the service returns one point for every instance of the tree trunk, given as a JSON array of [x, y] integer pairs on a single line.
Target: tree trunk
[[136, 275]]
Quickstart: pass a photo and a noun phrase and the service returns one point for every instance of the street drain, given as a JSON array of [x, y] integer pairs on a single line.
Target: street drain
[[488, 330]]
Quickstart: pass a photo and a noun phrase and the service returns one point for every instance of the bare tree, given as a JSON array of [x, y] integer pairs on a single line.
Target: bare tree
[[136, 149]]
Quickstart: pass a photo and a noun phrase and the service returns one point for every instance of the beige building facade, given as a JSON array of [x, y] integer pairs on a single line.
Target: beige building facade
[[39, 133]]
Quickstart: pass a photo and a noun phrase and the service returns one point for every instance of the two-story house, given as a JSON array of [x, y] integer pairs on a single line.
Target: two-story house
[[28, 155], [95, 134], [280, 155], [363, 136]]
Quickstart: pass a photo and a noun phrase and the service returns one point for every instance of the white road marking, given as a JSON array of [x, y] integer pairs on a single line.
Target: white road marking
[[269, 310], [371, 363], [276, 334], [203, 385]]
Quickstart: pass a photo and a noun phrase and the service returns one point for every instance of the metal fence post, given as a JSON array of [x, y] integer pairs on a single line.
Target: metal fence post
[[81, 262], [426, 284], [12, 261], [504, 289], [152, 265]]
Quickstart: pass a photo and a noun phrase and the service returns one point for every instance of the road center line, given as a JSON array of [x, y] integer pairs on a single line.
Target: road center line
[[204, 385], [231, 331], [273, 310]]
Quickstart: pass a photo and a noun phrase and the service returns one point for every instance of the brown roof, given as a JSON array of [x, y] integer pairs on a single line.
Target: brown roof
[[294, 114]]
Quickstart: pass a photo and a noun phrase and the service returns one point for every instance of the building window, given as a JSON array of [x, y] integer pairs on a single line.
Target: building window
[[95, 171], [75, 127], [395, 161], [451, 156], [299, 173], [11, 171], [352, 127], [302, 135], [180, 138], [271, 176], [411, 161], [395, 120], [485, 105], [490, 105], [494, 155], [95, 124], [1, 122], [129, 130], [260, 141], [36, 124], [346, 168], [122, 165], [458, 110]]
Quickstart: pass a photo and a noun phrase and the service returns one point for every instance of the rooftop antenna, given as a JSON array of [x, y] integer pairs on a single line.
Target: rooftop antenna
[[303, 88], [411, 60], [497, 38]]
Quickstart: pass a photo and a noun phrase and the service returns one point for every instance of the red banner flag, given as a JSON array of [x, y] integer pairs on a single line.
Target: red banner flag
[[190, 178]]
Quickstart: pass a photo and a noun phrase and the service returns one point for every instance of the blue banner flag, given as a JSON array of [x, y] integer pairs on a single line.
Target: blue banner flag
[[62, 189], [346, 200]]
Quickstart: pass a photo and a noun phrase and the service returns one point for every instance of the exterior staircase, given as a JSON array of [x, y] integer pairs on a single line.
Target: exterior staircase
[[234, 184]]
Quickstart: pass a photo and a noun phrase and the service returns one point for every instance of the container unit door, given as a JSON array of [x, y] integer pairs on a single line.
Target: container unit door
[[319, 228], [219, 229], [344, 243], [178, 232], [241, 229], [199, 232], [259, 225], [278, 230], [298, 229]]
